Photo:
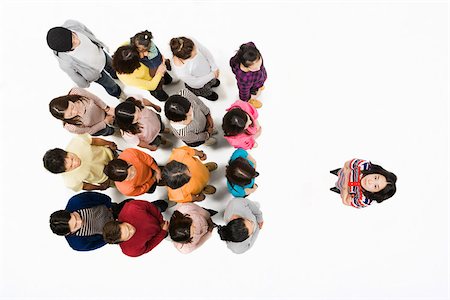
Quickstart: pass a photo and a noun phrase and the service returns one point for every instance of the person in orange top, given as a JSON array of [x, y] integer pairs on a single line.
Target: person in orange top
[[134, 172], [186, 177]]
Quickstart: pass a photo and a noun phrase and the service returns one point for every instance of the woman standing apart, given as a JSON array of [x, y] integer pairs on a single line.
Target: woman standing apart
[[360, 182], [250, 73], [83, 112], [195, 65]]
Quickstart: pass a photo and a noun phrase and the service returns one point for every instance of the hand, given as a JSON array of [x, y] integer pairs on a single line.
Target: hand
[[156, 107], [210, 130], [202, 156], [157, 175], [161, 69], [112, 146], [165, 225], [104, 185], [260, 224], [109, 119], [216, 73]]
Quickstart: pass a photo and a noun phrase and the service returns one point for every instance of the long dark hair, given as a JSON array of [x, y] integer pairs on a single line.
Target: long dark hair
[[390, 188], [59, 105], [125, 115], [126, 59], [240, 172], [182, 47], [234, 121], [180, 227], [234, 231]]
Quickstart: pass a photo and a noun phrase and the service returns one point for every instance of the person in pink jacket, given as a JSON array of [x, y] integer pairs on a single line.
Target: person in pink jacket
[[190, 226], [240, 125]]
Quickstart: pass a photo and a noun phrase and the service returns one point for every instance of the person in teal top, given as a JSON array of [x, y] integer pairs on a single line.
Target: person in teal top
[[241, 174]]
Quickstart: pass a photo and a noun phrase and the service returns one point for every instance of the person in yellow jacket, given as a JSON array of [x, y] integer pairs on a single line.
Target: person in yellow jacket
[[134, 73]]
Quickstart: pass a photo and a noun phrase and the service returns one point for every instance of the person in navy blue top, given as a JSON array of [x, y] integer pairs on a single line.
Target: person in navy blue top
[[82, 221]]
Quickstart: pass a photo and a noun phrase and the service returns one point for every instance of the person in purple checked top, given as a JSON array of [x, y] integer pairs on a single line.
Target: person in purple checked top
[[250, 73]]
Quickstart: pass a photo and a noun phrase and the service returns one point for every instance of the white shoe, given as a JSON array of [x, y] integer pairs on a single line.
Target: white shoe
[[209, 142], [123, 96]]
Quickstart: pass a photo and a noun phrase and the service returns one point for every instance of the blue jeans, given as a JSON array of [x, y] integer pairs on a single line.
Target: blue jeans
[[106, 81]]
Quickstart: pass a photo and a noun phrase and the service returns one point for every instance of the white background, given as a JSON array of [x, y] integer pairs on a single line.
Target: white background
[[346, 79]]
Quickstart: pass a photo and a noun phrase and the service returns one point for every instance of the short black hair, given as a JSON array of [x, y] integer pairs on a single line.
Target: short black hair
[[234, 231], [174, 174], [59, 222], [248, 54], [117, 169], [54, 160], [111, 232], [176, 108]]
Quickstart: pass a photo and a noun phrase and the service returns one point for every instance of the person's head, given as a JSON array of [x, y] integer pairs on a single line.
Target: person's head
[[59, 161], [237, 230], [117, 170], [115, 232], [249, 57], [126, 59], [127, 115], [378, 184], [61, 39], [180, 227], [175, 174], [142, 40], [182, 47], [59, 222], [68, 108], [176, 108], [235, 121], [240, 172]]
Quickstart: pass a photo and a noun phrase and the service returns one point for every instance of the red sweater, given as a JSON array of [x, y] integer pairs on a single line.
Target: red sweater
[[147, 219]]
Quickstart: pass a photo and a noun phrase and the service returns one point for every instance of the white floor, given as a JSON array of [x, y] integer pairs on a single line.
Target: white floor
[[346, 79]]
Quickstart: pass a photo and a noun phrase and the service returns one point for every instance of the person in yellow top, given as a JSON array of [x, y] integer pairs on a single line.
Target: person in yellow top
[[186, 177], [82, 163], [134, 73]]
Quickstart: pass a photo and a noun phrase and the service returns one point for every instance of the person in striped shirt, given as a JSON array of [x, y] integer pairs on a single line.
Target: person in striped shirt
[[360, 182]]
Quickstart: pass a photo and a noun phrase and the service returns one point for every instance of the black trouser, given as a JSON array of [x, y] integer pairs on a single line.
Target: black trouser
[[117, 207]]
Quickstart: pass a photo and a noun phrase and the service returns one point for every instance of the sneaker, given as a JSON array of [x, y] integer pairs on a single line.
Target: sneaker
[[167, 78], [209, 142], [209, 190], [160, 95], [335, 189], [168, 66], [212, 212], [217, 83], [255, 103], [212, 97], [211, 166]]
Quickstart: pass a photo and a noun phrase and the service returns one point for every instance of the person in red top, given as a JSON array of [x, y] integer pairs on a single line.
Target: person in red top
[[140, 227], [134, 172]]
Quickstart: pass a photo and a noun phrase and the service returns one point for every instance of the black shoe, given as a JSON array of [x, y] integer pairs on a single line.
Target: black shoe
[[217, 83], [160, 95], [212, 97], [212, 212], [168, 66], [167, 78], [335, 189], [161, 205], [335, 172]]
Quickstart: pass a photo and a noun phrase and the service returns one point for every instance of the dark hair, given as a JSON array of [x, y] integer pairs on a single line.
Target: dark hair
[[240, 172], [126, 59], [174, 174], [390, 188], [59, 39], [143, 38], [59, 222], [234, 122], [248, 54], [117, 169], [111, 232], [182, 47], [124, 113], [180, 227], [59, 105], [176, 108], [234, 231], [54, 160]]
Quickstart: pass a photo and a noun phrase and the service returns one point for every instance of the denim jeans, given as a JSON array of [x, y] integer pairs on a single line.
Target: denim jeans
[[106, 81]]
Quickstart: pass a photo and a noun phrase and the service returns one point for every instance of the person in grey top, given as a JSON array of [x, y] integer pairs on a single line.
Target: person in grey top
[[80, 54], [244, 220], [190, 119]]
